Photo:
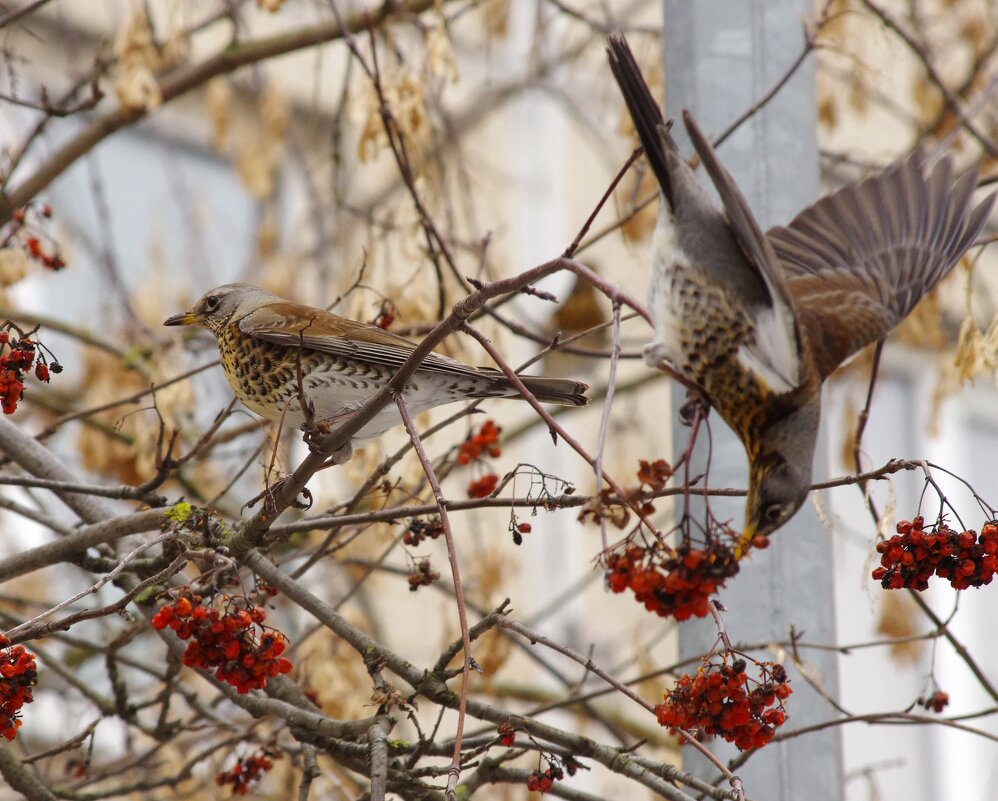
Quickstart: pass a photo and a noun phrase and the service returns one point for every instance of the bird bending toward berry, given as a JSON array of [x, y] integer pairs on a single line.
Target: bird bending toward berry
[[758, 321], [265, 342]]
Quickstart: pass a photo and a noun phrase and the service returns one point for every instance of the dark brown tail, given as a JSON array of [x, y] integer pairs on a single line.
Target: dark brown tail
[[652, 129], [560, 391]]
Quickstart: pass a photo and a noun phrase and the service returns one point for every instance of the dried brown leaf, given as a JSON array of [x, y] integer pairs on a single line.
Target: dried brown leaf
[[495, 16], [138, 60], [440, 54], [969, 356], [897, 620], [14, 265], [218, 99]]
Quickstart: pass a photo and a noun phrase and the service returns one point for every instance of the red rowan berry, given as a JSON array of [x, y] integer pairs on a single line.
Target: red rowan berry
[[243, 653], [672, 583], [247, 770], [18, 674], [913, 556], [484, 486], [715, 702], [935, 702]]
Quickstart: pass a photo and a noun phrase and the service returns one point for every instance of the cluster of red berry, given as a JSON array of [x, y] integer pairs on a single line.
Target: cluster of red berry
[[420, 530], [484, 486], [18, 675], [507, 734], [245, 772], [718, 701], [484, 441], [51, 260], [264, 588], [32, 243], [232, 641], [538, 782], [911, 557], [542, 781], [676, 583], [16, 357], [936, 702], [422, 575]]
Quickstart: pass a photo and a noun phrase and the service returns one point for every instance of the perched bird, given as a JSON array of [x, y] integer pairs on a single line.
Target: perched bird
[[264, 340], [759, 321]]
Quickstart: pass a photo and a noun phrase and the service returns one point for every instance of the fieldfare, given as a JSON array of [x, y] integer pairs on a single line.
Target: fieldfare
[[264, 341], [758, 321]]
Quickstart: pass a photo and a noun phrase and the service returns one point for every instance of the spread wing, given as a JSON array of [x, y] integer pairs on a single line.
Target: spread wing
[[286, 323], [858, 260]]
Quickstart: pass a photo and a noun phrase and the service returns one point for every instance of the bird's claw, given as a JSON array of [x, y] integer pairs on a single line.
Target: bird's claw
[[313, 433], [316, 433], [696, 407]]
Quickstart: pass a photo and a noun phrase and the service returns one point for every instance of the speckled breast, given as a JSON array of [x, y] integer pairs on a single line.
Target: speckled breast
[[264, 376], [708, 330]]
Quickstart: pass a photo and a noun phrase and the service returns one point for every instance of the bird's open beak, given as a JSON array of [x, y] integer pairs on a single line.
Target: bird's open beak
[[745, 539], [187, 318]]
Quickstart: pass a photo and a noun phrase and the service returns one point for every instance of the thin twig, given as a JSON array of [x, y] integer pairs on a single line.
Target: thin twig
[[952, 101], [454, 772], [604, 423]]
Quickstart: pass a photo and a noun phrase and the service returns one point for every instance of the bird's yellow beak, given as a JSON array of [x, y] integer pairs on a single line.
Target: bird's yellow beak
[[187, 318], [743, 542]]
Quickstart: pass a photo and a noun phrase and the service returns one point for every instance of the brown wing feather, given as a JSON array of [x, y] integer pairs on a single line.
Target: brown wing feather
[[858, 260], [287, 323]]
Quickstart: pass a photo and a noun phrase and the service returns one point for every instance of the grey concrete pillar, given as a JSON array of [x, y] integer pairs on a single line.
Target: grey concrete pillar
[[720, 58]]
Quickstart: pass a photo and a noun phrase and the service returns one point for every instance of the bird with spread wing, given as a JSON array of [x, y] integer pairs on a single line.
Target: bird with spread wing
[[758, 320]]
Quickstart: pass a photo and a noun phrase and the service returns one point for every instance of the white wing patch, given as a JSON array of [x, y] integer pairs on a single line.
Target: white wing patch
[[773, 355], [666, 256]]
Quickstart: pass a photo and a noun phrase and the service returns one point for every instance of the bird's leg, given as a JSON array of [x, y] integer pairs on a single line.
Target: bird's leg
[[313, 436], [696, 399], [270, 490]]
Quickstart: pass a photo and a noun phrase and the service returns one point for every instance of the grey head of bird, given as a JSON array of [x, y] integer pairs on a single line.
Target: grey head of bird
[[781, 460], [219, 306]]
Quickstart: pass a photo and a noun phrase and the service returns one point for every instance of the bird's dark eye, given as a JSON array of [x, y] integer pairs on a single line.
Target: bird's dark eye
[[773, 512], [211, 302]]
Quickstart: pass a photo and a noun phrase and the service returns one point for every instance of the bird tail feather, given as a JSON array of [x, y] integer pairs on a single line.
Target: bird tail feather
[[559, 391], [652, 129]]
